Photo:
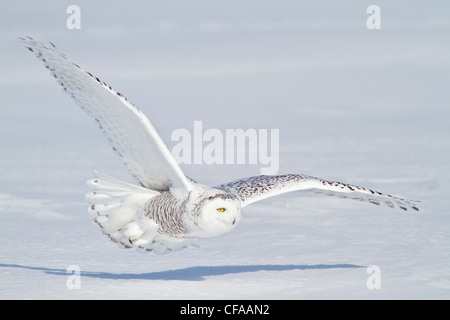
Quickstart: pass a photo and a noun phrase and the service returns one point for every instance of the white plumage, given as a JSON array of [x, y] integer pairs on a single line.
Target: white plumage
[[168, 211]]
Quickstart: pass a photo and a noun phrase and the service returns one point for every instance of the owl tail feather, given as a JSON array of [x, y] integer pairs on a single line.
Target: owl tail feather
[[118, 207]]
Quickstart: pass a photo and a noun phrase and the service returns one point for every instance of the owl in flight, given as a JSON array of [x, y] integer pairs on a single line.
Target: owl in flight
[[168, 211]]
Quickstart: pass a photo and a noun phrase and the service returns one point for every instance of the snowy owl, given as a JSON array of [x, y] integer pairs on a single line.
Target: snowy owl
[[168, 211]]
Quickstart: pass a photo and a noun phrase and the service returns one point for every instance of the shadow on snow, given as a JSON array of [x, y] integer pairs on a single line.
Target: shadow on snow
[[189, 274]]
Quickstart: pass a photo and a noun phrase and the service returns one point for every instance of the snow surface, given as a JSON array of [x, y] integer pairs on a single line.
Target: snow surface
[[367, 107]]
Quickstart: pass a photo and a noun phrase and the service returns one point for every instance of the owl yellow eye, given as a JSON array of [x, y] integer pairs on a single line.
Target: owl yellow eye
[[221, 209]]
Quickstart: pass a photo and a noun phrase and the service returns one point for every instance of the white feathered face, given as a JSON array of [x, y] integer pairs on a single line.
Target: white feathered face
[[217, 214]]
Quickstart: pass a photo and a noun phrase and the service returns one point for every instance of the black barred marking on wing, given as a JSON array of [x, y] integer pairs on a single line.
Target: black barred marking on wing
[[249, 187], [265, 186], [70, 87], [60, 80]]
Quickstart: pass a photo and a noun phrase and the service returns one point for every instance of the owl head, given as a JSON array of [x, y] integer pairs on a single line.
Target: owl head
[[215, 212]]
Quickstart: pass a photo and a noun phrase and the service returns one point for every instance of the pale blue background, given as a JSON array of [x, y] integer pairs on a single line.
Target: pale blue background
[[368, 107]]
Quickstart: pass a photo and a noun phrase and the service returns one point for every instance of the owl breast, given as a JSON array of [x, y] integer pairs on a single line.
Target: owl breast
[[169, 213]]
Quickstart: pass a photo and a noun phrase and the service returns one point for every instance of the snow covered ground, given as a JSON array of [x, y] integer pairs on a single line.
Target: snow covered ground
[[367, 107]]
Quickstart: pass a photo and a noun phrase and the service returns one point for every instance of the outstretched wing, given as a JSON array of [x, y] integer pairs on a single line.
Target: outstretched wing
[[128, 130], [253, 189]]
